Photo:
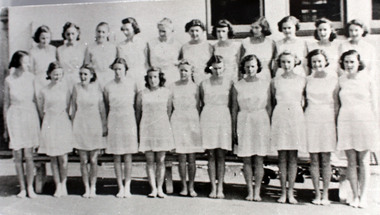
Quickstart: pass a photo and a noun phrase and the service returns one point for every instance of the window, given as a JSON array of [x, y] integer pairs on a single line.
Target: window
[[311, 10], [238, 12], [376, 9]]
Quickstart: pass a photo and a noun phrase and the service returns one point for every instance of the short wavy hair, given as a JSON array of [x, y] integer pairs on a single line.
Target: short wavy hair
[[133, 22], [292, 19], [166, 22], [92, 72], [359, 23], [161, 76], [297, 61], [249, 58], [120, 60], [39, 31], [351, 52], [70, 25], [194, 22], [223, 23], [212, 60], [52, 66], [264, 24], [314, 53], [332, 36], [16, 59]]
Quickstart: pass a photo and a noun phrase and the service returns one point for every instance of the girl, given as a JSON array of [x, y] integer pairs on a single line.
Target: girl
[[251, 111], [89, 125], [185, 124], [355, 31], [120, 95], [288, 123], [227, 48], [216, 122], [260, 45], [101, 54], [21, 121], [133, 50], [288, 26], [357, 123], [198, 51], [163, 52], [56, 132], [41, 55], [155, 105], [71, 54], [320, 115], [325, 40]]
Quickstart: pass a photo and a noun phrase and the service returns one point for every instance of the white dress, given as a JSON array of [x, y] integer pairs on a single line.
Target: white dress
[[216, 127], [296, 46], [320, 114], [155, 130], [40, 60], [332, 51], [87, 125], [56, 133], [164, 55], [253, 125], [288, 122], [357, 124], [198, 55], [122, 126], [231, 59], [185, 119], [22, 117]]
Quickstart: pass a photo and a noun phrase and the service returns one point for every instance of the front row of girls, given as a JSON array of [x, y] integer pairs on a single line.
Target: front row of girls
[[191, 119]]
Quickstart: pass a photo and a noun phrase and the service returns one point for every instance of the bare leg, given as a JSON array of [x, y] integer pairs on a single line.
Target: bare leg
[[282, 165], [28, 153], [364, 177], [128, 175], [56, 177], [17, 158], [160, 173], [314, 170], [182, 173], [212, 172], [248, 175], [326, 175], [151, 173], [352, 176], [63, 165], [220, 160], [84, 170], [93, 171], [292, 174], [192, 170], [119, 175], [259, 174]]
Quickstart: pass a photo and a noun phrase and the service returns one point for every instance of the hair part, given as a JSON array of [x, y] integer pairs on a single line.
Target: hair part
[[292, 19], [52, 66], [351, 52], [359, 23], [320, 21], [223, 23], [70, 25], [133, 22], [211, 61], [250, 58], [314, 53], [122, 61], [39, 31], [161, 77], [16, 59], [297, 61], [264, 24], [194, 22]]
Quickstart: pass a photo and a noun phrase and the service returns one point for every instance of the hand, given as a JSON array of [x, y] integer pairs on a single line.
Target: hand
[[6, 135], [105, 131]]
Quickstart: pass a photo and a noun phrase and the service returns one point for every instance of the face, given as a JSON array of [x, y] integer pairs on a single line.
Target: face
[[128, 30], [44, 38], [288, 29], [217, 69], [56, 75], [256, 29], [185, 71], [164, 32], [222, 33], [287, 63], [85, 75], [318, 62], [250, 67], [324, 31], [71, 34], [154, 79], [119, 70], [195, 32], [25, 62], [351, 63], [355, 32], [102, 33]]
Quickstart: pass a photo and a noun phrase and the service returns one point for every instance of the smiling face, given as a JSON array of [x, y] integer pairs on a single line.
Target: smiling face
[[351, 63], [287, 62], [85, 75], [44, 38], [102, 33], [256, 29], [217, 69], [164, 32], [56, 75], [324, 31], [128, 30], [154, 79], [355, 32], [222, 33], [119, 70], [250, 67], [185, 71], [71, 34], [318, 63], [288, 29], [195, 33]]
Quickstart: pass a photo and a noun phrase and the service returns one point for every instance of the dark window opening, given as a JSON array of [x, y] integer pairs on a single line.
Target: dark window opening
[[311, 10], [238, 12]]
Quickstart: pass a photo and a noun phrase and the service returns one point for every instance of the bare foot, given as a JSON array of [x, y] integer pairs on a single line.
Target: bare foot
[[355, 203], [193, 193], [249, 197], [92, 192], [127, 193], [63, 190], [31, 193], [153, 194], [325, 202], [363, 203], [161, 194], [21, 194], [212, 194], [120, 194], [183, 192], [316, 201], [282, 199], [257, 198], [86, 194], [292, 200], [220, 195]]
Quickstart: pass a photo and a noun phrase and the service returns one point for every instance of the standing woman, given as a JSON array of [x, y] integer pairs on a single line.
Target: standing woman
[[56, 132], [216, 126], [227, 48], [250, 116], [320, 115], [89, 126], [21, 123], [357, 123]]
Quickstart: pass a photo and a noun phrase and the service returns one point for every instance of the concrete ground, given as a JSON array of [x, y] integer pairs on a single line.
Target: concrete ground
[[107, 203]]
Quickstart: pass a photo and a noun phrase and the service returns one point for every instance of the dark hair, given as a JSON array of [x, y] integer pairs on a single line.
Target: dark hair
[[293, 19], [120, 60], [351, 52], [223, 23], [92, 72], [161, 76], [39, 31], [103, 24], [133, 22], [314, 53], [332, 36], [264, 24], [297, 61], [52, 66], [194, 22], [70, 25], [212, 60], [357, 22], [16, 59], [249, 58]]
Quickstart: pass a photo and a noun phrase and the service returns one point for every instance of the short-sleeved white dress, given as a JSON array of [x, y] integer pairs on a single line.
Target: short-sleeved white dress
[[231, 59]]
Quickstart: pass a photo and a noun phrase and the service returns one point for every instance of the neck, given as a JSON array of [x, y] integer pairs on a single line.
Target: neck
[[18, 72], [251, 78], [355, 41], [153, 88], [320, 74], [42, 46], [196, 41], [324, 42], [224, 42], [290, 38]]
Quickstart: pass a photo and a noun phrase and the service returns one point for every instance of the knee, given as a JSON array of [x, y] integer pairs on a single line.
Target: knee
[[94, 160]]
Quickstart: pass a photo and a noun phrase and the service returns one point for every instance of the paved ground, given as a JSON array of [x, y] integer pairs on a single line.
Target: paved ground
[[107, 203]]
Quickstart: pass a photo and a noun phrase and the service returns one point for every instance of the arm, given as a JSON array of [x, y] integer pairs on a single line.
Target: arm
[[6, 105]]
